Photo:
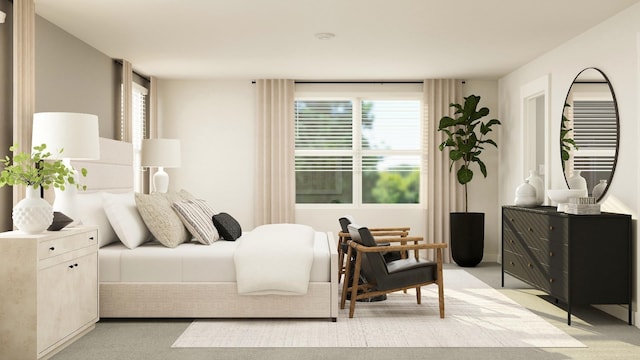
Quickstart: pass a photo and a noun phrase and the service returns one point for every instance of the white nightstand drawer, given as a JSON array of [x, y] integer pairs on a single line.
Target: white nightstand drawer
[[62, 245]]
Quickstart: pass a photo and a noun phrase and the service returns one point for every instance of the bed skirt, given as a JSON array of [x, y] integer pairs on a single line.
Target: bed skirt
[[213, 300]]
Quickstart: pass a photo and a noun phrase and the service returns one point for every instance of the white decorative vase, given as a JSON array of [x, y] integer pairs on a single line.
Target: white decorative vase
[[32, 214], [599, 189], [576, 181], [536, 181], [526, 195]]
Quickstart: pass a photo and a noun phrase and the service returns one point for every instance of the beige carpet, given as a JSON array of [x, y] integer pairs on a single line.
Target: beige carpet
[[476, 315]]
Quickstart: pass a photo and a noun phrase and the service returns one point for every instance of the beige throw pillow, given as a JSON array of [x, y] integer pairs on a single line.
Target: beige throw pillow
[[160, 218]]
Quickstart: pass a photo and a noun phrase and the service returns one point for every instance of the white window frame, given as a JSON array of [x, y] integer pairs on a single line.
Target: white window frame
[[357, 152]]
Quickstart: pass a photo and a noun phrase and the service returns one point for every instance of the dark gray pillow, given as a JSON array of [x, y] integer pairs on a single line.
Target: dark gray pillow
[[227, 226]]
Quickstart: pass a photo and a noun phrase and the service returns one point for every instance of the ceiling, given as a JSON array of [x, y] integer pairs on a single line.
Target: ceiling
[[374, 39]]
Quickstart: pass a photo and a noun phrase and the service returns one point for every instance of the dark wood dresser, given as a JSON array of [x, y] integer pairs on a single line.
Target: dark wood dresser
[[577, 259]]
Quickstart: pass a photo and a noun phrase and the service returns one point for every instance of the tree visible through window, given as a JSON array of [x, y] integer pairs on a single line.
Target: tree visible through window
[[358, 151]]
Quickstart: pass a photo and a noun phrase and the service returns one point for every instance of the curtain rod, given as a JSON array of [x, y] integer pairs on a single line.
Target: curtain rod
[[356, 82]]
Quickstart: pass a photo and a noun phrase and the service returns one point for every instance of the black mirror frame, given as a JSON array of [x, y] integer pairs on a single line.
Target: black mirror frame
[[615, 104]]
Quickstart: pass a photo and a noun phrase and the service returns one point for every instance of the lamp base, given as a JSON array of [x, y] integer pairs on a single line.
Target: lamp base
[[66, 203], [161, 181]]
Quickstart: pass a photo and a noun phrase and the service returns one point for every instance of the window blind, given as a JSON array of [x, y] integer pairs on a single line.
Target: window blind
[[595, 130]]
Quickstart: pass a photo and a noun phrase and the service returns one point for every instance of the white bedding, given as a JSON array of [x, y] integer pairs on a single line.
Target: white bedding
[[274, 259], [189, 262]]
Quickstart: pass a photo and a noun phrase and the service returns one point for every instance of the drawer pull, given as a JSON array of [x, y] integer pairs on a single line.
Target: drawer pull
[[512, 263], [72, 266], [53, 248], [530, 265], [530, 229], [551, 228], [91, 238], [511, 241], [550, 253], [551, 280]]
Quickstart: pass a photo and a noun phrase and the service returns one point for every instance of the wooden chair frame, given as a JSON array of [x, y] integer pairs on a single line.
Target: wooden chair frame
[[382, 235], [366, 293]]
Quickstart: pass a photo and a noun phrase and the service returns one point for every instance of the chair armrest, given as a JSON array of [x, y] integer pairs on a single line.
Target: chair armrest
[[406, 229], [402, 239], [397, 235], [422, 246]]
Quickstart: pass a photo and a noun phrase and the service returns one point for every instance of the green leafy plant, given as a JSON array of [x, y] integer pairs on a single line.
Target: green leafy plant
[[566, 141], [464, 142], [36, 169]]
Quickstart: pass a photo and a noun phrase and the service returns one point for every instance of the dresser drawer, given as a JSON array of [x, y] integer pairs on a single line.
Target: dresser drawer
[[534, 273], [63, 245]]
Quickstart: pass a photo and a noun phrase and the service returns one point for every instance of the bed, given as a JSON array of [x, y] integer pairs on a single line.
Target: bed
[[191, 280]]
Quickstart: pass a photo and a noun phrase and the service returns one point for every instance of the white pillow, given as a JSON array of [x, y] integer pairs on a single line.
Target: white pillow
[[125, 219], [92, 213]]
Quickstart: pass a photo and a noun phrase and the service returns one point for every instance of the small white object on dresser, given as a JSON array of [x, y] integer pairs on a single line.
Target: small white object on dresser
[[48, 290]]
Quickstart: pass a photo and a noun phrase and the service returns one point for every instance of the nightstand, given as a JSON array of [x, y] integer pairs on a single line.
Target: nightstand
[[48, 290]]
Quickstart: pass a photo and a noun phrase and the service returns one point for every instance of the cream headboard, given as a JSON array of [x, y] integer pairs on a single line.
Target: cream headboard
[[113, 172]]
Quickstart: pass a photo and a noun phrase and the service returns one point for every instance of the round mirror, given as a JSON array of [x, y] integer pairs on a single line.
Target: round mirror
[[589, 133]]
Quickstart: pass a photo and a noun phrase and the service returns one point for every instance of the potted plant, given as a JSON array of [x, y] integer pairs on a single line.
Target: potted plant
[[34, 214], [466, 138]]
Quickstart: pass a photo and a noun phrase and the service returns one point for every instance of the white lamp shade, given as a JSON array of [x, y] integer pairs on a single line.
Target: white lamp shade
[[160, 153], [76, 134]]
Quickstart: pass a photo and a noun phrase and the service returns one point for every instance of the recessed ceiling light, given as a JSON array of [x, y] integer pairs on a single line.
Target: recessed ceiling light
[[325, 36]]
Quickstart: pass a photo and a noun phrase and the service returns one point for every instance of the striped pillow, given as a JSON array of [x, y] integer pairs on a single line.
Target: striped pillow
[[196, 216]]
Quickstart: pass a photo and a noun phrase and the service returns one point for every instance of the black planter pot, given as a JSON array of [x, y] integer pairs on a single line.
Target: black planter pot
[[467, 238]]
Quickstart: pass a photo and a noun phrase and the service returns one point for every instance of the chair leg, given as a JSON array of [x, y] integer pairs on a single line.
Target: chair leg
[[440, 282], [354, 286], [419, 295], [345, 282]]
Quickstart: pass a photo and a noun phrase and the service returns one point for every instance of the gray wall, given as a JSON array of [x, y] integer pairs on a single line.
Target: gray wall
[[70, 76], [6, 106], [73, 76]]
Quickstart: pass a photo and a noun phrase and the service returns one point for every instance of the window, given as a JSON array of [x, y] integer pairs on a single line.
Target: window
[[358, 150], [139, 130], [139, 124]]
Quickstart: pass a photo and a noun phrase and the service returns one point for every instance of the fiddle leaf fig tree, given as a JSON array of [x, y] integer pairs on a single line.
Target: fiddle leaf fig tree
[[466, 139], [37, 169]]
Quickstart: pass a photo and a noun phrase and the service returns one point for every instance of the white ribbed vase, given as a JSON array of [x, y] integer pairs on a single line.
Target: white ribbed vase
[[32, 214]]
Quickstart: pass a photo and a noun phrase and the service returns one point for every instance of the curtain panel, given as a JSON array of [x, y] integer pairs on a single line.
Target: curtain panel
[[275, 152], [444, 193], [24, 80]]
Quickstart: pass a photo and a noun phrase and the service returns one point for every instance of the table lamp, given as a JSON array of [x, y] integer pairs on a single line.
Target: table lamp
[[160, 153], [78, 136]]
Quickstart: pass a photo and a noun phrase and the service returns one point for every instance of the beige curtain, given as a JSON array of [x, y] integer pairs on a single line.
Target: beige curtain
[[444, 194], [23, 79], [275, 150], [125, 124]]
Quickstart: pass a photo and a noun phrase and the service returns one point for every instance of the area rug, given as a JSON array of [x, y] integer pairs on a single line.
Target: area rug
[[476, 315]]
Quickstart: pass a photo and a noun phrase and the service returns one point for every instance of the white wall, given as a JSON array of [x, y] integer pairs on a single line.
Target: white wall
[[613, 48], [215, 121]]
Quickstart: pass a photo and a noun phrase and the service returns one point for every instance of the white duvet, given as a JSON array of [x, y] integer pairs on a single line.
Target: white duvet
[[274, 259]]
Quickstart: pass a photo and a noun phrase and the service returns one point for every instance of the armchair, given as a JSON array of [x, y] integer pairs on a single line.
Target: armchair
[[383, 277], [384, 235]]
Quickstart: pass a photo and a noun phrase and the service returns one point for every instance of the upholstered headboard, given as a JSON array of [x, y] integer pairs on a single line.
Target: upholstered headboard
[[113, 172]]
